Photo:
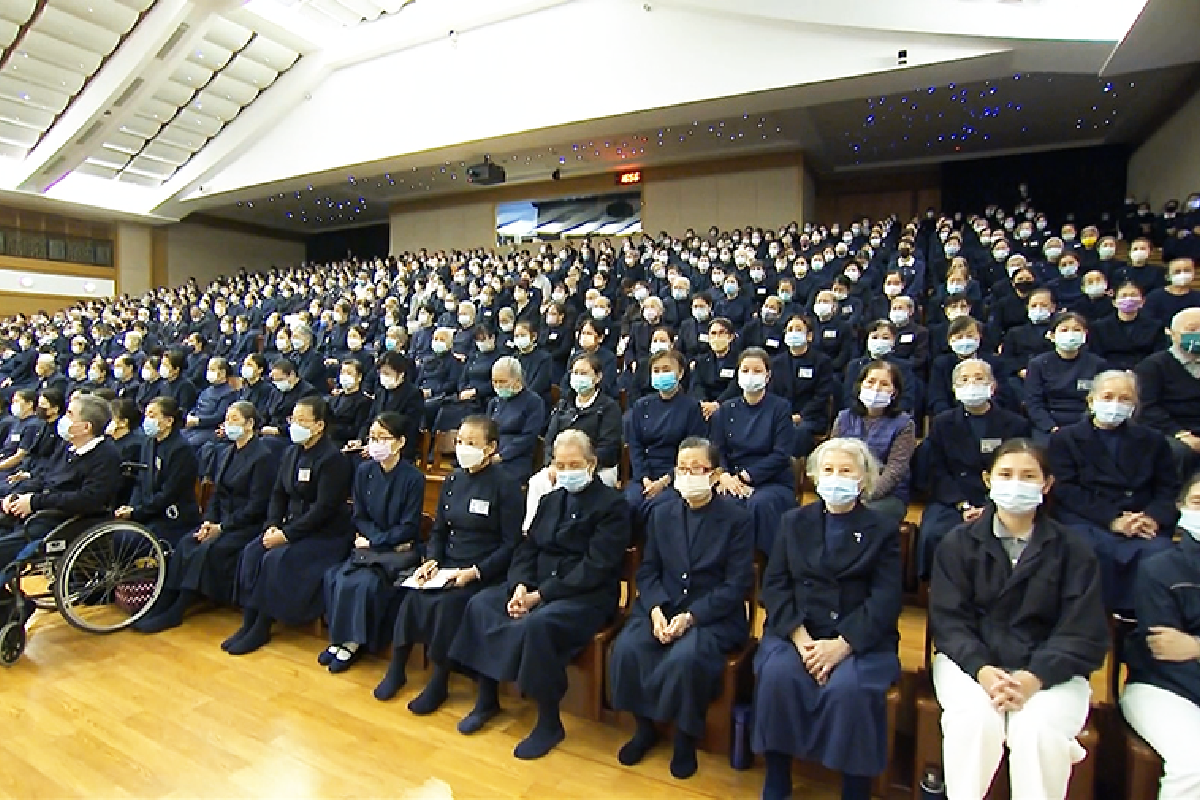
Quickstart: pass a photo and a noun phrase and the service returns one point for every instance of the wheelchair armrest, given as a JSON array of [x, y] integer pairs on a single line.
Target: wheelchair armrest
[[50, 515]]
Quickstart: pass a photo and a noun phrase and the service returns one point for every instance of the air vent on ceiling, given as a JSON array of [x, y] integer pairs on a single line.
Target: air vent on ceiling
[[125, 95], [170, 44], [92, 130], [54, 167]]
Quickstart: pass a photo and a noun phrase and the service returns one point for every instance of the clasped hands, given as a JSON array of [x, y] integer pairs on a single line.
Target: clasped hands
[[737, 485], [273, 537], [653, 488], [1008, 691], [820, 656], [523, 601], [1135, 525], [207, 530], [668, 631], [17, 505]]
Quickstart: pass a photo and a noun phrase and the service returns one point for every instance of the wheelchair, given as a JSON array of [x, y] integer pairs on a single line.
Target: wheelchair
[[101, 574]]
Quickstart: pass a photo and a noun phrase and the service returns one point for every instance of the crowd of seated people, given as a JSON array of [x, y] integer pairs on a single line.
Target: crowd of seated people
[[658, 392]]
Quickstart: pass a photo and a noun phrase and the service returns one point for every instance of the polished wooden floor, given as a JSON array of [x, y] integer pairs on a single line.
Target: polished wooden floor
[[173, 716]]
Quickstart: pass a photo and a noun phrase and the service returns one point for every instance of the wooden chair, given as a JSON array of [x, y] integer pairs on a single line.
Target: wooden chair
[[928, 749], [555, 396], [800, 476], [442, 459], [1143, 766], [736, 683], [592, 661], [205, 489], [624, 469]]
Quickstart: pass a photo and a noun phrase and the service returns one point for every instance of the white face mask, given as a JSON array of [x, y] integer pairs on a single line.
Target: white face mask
[[469, 457], [693, 487]]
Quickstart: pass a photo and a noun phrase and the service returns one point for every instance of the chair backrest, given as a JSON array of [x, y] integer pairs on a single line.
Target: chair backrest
[[443, 458], [1121, 628], [426, 526], [555, 395]]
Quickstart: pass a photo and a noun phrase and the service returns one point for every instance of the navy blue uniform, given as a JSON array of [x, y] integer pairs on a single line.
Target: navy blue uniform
[[164, 497], [520, 420]]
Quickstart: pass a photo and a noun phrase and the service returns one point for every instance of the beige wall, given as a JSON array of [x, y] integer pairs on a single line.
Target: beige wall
[[1167, 165], [205, 252], [456, 227], [767, 197], [133, 259]]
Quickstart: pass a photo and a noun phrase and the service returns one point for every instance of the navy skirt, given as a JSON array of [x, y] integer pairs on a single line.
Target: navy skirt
[[667, 683], [432, 617], [841, 725], [358, 605], [287, 582], [534, 650], [208, 567]]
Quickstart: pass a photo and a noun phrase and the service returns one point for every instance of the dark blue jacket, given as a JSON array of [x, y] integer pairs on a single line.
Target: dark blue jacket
[[520, 419], [957, 459], [655, 428], [853, 592], [387, 505], [1167, 595], [1089, 484], [84, 485], [699, 561], [1056, 388], [806, 382], [757, 439], [1124, 344], [212, 404], [477, 523], [165, 494]]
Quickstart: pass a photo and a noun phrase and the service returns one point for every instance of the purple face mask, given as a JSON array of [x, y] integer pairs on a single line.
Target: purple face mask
[[380, 451], [1128, 305]]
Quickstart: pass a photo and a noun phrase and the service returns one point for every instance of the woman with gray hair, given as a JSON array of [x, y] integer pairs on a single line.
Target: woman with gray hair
[[1116, 482], [829, 647], [520, 416]]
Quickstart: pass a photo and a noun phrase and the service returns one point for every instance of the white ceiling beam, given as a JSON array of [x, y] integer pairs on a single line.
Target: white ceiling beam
[[61, 151]]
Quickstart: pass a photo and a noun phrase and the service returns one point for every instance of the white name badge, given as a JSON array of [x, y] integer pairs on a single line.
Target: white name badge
[[553, 337], [987, 446], [158, 463], [804, 372], [761, 290], [906, 338], [772, 343], [726, 373], [479, 507], [16, 437], [702, 338], [303, 475], [1083, 385], [847, 310], [830, 334]]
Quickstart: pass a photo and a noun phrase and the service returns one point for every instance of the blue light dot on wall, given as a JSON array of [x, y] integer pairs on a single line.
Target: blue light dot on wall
[[932, 89]]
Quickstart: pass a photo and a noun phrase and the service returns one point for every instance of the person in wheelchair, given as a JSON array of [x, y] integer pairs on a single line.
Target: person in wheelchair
[[205, 562], [164, 496], [80, 485]]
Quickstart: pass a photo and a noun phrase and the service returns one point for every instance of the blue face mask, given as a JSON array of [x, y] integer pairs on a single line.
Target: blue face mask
[[234, 432], [299, 433], [505, 393], [581, 384], [795, 338], [1016, 497], [836, 490], [282, 386], [391, 344], [574, 480], [150, 427], [664, 381], [1189, 342]]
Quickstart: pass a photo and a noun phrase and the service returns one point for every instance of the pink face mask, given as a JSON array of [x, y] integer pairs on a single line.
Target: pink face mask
[[380, 451]]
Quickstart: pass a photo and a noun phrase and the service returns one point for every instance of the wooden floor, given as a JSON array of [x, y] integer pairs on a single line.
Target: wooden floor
[[172, 715]]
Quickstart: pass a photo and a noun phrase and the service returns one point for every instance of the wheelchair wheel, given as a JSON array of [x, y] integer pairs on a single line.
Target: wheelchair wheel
[[12, 643], [106, 557]]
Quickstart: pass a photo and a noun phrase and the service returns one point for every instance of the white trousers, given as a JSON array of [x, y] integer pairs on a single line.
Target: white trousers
[[1040, 737], [1171, 725], [540, 486]]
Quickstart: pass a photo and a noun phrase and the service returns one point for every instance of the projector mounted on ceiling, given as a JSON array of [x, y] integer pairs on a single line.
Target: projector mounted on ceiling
[[485, 174]]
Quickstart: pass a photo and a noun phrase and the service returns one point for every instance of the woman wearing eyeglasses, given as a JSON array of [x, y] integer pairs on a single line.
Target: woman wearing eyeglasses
[[387, 495], [692, 583]]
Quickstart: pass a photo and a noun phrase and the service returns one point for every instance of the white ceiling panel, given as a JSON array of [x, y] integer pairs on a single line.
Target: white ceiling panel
[[17, 11], [210, 56], [174, 93], [41, 73], [139, 126], [107, 13], [15, 134], [228, 34], [109, 158], [191, 74], [8, 32], [336, 11], [69, 28], [124, 142], [137, 5], [156, 110], [178, 135], [151, 167], [233, 90], [65, 55], [25, 114], [95, 170], [148, 180], [12, 151], [199, 122], [38, 96], [161, 151], [249, 71], [271, 54], [214, 105]]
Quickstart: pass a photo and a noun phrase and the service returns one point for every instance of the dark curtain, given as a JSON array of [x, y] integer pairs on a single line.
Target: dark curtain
[[1086, 182], [366, 242]]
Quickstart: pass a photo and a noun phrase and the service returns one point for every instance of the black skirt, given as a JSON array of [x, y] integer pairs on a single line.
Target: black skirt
[[208, 567], [534, 650], [432, 617], [359, 603], [287, 583]]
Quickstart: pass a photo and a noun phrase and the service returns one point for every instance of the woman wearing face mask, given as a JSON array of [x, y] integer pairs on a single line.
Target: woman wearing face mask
[[152, 384], [1162, 692], [537, 365], [77, 373], [693, 331], [1057, 383], [804, 377], [474, 388], [386, 500], [590, 337], [562, 586], [475, 530], [209, 411], [667, 662], [1023, 342], [204, 564], [1116, 482], [1163, 304], [520, 417], [754, 434], [1096, 302], [658, 422], [1015, 607], [308, 529], [829, 650], [714, 372], [881, 346], [874, 415], [255, 385], [1067, 284], [164, 497], [1011, 302], [438, 375], [22, 433], [1138, 270], [125, 429], [555, 337], [349, 404], [584, 408], [959, 283], [1125, 338], [765, 330]]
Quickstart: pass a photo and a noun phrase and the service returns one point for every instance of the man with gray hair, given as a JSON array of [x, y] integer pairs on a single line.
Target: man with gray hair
[[519, 414], [957, 451], [308, 360], [1169, 383]]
